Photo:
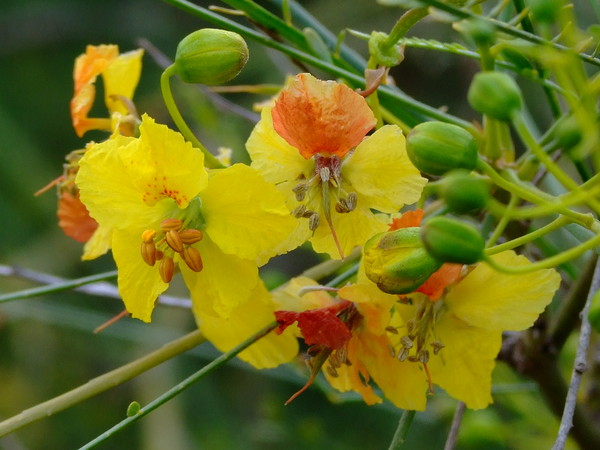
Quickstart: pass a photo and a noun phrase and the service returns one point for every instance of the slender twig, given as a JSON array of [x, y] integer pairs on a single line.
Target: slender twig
[[402, 430], [55, 284], [101, 383], [579, 366], [180, 387], [455, 427]]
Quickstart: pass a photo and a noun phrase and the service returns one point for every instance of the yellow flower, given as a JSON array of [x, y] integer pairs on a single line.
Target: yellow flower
[[165, 211], [120, 74], [310, 145], [451, 342]]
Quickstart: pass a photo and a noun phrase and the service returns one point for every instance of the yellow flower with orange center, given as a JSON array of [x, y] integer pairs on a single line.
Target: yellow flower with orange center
[[311, 144]]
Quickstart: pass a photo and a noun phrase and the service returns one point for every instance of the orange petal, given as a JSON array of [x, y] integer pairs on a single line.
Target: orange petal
[[437, 282], [408, 219], [323, 117], [87, 67], [74, 218]]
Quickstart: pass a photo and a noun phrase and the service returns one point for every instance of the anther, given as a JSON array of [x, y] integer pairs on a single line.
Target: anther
[[391, 329], [423, 356], [166, 269], [192, 258], [437, 346], [351, 201], [300, 191], [313, 222], [325, 174], [342, 206], [171, 224], [332, 372], [190, 236], [148, 236], [299, 211], [149, 252], [174, 240]]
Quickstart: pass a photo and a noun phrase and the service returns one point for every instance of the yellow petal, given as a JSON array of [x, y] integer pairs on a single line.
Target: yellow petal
[[164, 165], [120, 78], [244, 321], [497, 301], [353, 229], [401, 382], [272, 156], [245, 215], [384, 190], [139, 283], [225, 281], [98, 244], [463, 368], [288, 298], [105, 187]]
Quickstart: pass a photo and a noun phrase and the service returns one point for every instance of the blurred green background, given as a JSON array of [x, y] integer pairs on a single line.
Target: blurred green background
[[46, 344]]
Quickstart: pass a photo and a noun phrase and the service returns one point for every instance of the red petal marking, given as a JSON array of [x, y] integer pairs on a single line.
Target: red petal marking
[[318, 326], [74, 219], [321, 117], [437, 282], [408, 219]]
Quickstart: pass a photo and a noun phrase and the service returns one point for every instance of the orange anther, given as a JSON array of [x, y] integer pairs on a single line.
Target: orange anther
[[192, 258], [174, 240], [171, 224], [166, 269], [190, 236], [148, 236], [149, 252]]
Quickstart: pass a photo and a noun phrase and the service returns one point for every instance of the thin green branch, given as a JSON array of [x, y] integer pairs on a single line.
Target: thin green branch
[[57, 287], [180, 387], [402, 430], [101, 383]]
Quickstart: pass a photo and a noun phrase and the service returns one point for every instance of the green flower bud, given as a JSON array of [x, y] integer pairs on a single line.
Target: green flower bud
[[384, 55], [210, 56], [594, 312], [397, 262], [495, 94], [464, 192], [437, 147], [449, 240], [133, 408]]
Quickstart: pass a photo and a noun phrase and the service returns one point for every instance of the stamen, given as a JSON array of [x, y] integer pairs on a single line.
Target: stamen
[[313, 222], [190, 236], [149, 253], [391, 329], [148, 236], [351, 201], [171, 224], [174, 240], [423, 356], [341, 206], [166, 269], [332, 372], [192, 258], [299, 211], [428, 378], [437, 346], [325, 174], [300, 191]]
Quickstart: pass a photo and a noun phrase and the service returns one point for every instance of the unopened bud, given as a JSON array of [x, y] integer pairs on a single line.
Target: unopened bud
[[210, 56], [464, 192], [397, 261], [449, 240], [568, 133], [495, 94], [437, 147]]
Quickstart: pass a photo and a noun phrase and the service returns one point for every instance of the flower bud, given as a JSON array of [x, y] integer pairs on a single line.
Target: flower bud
[[397, 261], [437, 147], [495, 94], [464, 192], [568, 133], [210, 56], [449, 240]]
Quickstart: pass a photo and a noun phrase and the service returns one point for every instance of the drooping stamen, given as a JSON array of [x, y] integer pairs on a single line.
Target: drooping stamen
[[429, 381], [325, 174], [110, 321], [315, 363]]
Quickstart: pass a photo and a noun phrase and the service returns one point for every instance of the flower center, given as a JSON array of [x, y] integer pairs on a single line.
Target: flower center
[[318, 190], [175, 236], [420, 339]]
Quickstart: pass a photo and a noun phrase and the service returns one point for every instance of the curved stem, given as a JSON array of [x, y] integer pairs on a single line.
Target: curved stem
[[209, 160], [404, 24], [522, 240], [101, 383], [402, 430], [547, 263], [505, 218]]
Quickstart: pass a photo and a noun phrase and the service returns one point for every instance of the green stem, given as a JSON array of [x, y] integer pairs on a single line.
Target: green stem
[[404, 24], [209, 160], [553, 261], [101, 383], [57, 287], [504, 219], [215, 364], [522, 240], [585, 220], [402, 430]]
